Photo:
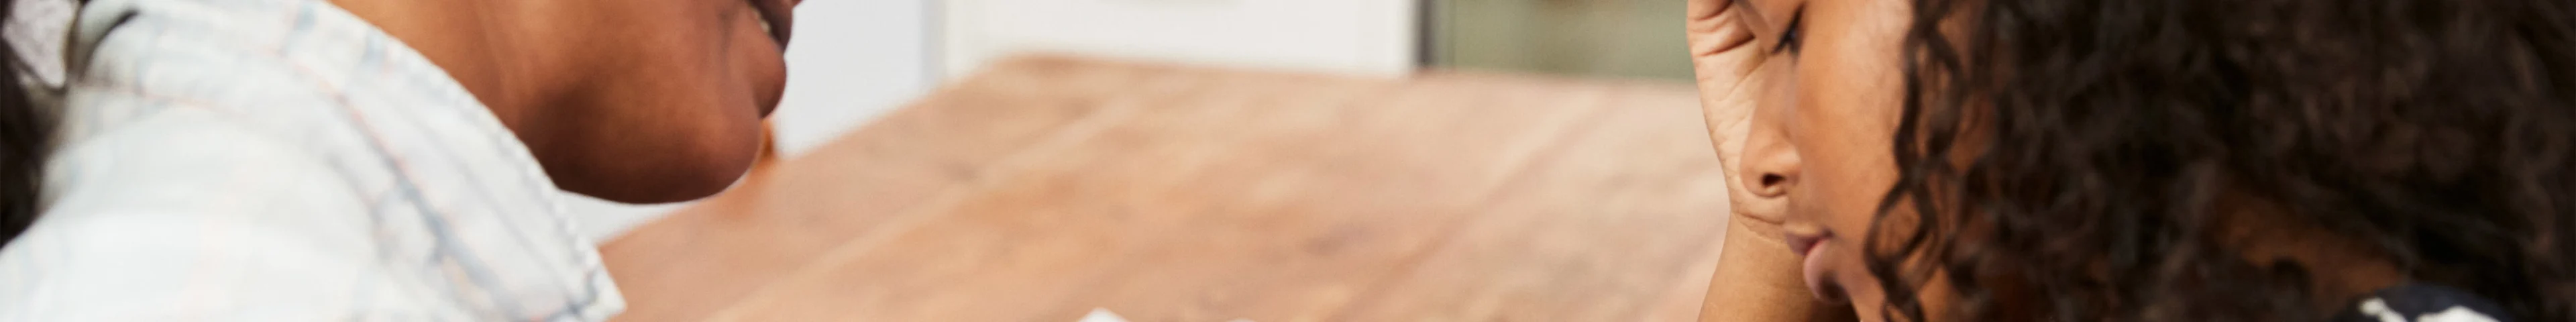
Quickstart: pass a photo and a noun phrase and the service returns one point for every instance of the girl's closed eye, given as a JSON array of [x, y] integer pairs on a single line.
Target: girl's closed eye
[[1790, 37]]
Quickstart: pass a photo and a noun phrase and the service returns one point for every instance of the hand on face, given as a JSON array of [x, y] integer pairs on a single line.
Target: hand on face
[[1758, 277], [1725, 56], [1804, 124], [1727, 60]]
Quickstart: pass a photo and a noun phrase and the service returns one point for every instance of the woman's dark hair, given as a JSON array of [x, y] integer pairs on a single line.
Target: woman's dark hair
[[2075, 160], [24, 136]]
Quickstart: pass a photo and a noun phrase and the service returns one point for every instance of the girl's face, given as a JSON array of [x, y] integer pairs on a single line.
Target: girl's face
[[1827, 93]]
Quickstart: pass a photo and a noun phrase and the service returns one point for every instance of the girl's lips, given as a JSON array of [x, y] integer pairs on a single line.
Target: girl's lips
[[1803, 243]]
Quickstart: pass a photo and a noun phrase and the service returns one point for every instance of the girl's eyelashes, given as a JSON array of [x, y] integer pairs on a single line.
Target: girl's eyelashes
[[1790, 37]]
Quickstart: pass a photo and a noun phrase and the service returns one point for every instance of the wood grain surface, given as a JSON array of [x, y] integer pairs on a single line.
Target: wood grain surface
[[1045, 187]]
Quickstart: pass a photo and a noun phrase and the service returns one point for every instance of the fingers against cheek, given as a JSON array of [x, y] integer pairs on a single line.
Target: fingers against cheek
[[1704, 10], [1725, 59], [1715, 26], [1721, 44]]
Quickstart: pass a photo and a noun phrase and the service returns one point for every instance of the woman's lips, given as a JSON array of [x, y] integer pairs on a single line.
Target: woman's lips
[[778, 18]]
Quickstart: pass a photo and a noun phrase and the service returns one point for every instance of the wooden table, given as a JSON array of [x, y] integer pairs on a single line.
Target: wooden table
[[1046, 187]]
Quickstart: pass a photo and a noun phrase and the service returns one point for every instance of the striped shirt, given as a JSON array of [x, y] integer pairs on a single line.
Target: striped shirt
[[283, 160]]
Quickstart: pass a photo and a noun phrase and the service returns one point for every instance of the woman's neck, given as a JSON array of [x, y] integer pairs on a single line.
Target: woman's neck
[[498, 50]]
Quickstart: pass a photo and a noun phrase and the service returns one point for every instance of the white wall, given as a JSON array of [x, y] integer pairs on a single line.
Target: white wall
[[851, 61], [1350, 36]]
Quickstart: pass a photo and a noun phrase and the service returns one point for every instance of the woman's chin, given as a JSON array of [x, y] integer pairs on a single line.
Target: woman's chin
[[637, 180]]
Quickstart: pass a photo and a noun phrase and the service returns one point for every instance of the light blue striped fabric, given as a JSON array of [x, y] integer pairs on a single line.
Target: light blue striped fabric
[[283, 160]]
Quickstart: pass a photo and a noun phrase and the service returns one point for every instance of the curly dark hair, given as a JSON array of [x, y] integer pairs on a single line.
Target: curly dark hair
[[2064, 160], [25, 131]]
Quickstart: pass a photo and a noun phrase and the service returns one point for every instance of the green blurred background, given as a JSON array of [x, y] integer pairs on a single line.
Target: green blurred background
[[1587, 38]]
